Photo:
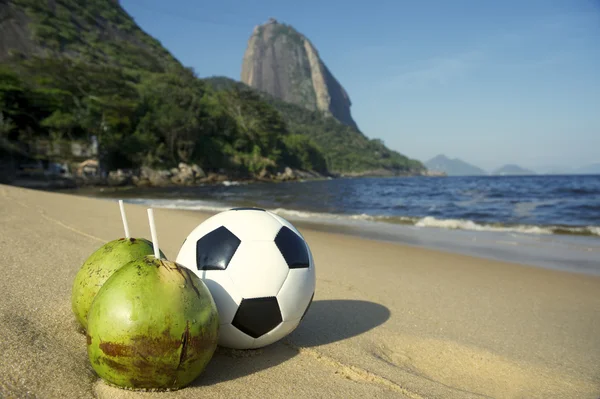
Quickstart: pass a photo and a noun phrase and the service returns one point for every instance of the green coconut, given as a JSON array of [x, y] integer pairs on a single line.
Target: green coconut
[[99, 267], [152, 326]]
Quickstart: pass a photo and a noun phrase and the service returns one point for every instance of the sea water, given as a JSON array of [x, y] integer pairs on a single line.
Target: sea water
[[548, 221]]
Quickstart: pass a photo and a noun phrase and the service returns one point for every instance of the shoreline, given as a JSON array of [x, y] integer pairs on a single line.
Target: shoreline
[[158, 197], [60, 183], [569, 252], [582, 259], [388, 320]]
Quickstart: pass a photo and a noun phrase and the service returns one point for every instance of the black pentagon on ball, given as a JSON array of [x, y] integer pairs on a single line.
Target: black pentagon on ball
[[293, 248], [215, 250], [257, 316], [247, 209]]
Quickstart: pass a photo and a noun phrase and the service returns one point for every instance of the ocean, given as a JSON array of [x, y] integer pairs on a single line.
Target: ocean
[[548, 221]]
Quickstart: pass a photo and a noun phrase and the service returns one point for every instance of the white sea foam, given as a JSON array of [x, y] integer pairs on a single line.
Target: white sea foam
[[425, 222], [191, 205], [595, 230], [461, 224], [228, 183], [321, 216]]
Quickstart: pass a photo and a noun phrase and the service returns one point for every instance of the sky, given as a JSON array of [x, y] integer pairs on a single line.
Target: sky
[[490, 82]]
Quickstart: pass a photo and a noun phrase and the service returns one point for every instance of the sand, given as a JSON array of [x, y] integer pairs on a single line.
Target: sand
[[388, 321]]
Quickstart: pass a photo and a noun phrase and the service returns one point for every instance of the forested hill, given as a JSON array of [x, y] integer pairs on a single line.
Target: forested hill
[[346, 148], [98, 31], [76, 69]]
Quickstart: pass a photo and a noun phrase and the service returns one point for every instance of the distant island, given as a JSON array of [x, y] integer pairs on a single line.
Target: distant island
[[453, 167], [513, 170]]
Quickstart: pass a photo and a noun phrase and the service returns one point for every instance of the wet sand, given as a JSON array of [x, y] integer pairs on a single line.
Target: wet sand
[[387, 321]]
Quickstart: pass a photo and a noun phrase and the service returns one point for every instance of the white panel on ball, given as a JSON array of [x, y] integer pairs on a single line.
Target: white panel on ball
[[231, 337], [258, 269], [295, 294], [226, 295], [187, 254], [250, 225], [276, 334]]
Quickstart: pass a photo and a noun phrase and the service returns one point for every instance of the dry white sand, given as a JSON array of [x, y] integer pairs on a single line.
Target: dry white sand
[[387, 321]]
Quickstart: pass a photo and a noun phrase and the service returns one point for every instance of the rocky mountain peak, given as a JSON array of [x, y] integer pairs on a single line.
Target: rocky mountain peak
[[281, 61]]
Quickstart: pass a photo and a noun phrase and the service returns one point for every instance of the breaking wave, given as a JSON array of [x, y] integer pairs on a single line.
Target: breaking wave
[[419, 222]]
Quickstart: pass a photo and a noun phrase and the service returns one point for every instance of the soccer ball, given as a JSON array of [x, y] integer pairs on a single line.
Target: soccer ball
[[259, 270]]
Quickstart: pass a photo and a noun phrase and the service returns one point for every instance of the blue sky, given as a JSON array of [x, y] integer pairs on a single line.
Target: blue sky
[[491, 82]]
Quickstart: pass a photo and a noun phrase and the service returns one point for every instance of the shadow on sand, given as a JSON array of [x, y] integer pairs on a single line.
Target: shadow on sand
[[326, 322]]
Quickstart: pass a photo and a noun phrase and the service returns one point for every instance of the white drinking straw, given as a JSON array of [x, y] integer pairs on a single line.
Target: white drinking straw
[[124, 217], [153, 233]]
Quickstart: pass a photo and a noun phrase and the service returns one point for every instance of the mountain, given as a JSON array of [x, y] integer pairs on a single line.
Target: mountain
[[284, 63], [73, 73], [453, 167], [98, 31], [513, 170]]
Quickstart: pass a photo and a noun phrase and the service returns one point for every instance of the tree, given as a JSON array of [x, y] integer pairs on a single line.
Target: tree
[[302, 153], [258, 123], [61, 123], [6, 126], [173, 108]]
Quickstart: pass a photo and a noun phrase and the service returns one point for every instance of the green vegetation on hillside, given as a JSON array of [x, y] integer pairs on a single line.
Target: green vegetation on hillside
[[100, 75], [154, 119], [346, 149], [95, 30]]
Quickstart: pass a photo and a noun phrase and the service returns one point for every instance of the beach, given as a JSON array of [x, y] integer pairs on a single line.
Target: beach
[[388, 320]]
